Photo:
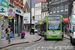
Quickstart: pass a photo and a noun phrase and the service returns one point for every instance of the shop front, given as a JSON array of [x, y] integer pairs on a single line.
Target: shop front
[[65, 23], [3, 17], [18, 21], [11, 18]]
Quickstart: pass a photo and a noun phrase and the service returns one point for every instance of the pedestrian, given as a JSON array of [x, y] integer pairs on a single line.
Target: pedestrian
[[2, 30], [22, 34], [6, 30], [8, 33]]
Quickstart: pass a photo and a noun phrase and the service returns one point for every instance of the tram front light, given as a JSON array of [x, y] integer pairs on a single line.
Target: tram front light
[[59, 34], [48, 33]]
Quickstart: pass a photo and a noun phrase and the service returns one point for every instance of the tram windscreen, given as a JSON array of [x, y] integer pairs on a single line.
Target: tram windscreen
[[53, 23]]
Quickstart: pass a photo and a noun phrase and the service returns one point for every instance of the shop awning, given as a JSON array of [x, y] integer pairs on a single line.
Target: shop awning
[[41, 21], [1, 15], [10, 17]]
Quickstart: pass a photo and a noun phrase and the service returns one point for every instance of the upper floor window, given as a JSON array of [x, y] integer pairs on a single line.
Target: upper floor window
[[26, 10], [66, 7], [54, 10], [62, 8], [51, 10], [58, 9]]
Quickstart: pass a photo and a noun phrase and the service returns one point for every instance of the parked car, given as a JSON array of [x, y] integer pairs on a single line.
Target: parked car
[[32, 31], [35, 30]]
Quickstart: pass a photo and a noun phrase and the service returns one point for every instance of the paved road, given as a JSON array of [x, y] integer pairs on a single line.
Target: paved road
[[44, 45]]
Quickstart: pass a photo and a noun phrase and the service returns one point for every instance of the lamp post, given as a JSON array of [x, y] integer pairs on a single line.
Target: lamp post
[[30, 14]]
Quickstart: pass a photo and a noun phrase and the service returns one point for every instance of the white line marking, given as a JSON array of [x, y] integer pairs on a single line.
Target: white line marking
[[33, 46]]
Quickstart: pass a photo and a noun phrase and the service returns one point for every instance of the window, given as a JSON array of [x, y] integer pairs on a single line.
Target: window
[[66, 9], [62, 9], [26, 10], [66, 6], [58, 10], [54, 10], [51, 10]]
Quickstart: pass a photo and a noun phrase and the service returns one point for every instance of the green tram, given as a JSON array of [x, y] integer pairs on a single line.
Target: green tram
[[51, 27]]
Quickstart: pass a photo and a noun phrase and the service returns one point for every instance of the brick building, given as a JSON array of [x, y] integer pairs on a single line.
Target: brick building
[[17, 22]]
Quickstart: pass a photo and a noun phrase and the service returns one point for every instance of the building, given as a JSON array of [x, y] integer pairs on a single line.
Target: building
[[3, 15], [61, 7], [26, 18], [17, 21], [44, 10], [38, 11]]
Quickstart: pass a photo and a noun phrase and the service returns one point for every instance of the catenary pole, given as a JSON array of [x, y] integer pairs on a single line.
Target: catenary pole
[[30, 14]]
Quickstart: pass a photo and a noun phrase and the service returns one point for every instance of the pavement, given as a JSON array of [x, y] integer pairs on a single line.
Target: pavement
[[28, 38], [66, 35]]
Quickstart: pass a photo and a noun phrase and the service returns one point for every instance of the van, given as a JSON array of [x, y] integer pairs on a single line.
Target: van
[[72, 35]]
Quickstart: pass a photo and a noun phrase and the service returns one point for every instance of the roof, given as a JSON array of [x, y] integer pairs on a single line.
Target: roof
[[33, 2]]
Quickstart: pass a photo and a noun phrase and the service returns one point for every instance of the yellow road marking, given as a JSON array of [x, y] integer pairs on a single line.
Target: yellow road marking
[[67, 46]]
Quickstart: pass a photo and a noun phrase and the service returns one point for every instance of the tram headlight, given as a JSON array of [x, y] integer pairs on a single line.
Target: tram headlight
[[59, 34], [48, 33]]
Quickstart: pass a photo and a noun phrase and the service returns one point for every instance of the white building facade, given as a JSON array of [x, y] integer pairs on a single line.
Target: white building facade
[[37, 11]]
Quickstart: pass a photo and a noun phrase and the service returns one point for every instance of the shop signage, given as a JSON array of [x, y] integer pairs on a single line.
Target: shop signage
[[18, 11], [4, 7], [26, 20], [65, 19], [11, 13]]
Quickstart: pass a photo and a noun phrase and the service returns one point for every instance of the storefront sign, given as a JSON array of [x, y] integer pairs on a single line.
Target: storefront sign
[[18, 11], [26, 20], [11, 13], [3, 7], [65, 19]]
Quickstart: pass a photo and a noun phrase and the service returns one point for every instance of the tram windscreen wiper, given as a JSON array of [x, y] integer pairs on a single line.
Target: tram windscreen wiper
[[52, 30]]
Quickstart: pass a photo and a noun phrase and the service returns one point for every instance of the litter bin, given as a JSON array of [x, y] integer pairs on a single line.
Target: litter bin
[[32, 31]]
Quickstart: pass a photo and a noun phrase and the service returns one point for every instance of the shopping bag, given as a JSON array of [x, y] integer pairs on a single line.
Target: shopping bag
[[11, 36]]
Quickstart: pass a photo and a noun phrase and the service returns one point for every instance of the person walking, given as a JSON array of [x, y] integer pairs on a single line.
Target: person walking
[[8, 33], [6, 30]]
